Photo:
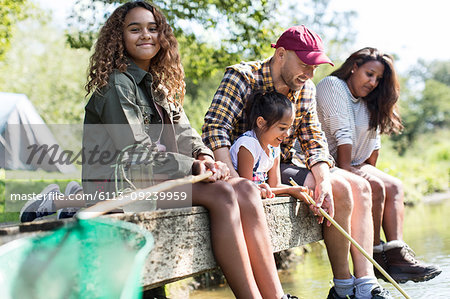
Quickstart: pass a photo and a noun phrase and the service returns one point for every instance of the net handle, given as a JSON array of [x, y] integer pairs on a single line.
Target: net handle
[[115, 203]]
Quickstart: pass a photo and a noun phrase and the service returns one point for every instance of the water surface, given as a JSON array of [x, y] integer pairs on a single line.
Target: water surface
[[426, 230]]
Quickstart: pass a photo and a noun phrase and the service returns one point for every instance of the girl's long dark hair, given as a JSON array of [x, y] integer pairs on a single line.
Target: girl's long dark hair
[[382, 101], [110, 54], [271, 106]]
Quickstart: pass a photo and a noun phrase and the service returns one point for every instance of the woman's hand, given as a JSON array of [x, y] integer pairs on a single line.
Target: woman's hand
[[265, 190]]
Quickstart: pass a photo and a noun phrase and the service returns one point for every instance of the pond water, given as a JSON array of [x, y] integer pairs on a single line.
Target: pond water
[[426, 230]]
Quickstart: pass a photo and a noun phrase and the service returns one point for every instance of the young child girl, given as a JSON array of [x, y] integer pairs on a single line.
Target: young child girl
[[137, 85], [256, 153]]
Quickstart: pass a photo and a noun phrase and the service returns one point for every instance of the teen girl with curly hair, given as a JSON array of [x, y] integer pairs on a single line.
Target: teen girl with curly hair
[[110, 54], [136, 80]]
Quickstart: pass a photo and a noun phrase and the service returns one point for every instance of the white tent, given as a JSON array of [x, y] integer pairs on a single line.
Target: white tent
[[24, 137]]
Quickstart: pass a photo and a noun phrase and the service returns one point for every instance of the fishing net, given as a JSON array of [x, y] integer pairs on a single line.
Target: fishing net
[[98, 258]]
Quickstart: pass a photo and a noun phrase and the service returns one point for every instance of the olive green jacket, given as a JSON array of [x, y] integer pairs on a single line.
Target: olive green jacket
[[128, 111]]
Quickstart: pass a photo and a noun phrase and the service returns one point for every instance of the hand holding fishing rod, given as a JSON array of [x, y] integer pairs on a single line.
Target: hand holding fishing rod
[[339, 228]]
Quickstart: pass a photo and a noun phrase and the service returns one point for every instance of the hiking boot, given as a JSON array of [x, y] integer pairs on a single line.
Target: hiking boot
[[402, 265], [380, 258], [42, 205], [381, 293], [71, 188], [333, 295]]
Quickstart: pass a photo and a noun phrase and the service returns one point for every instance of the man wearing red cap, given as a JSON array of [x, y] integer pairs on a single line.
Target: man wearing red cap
[[298, 52]]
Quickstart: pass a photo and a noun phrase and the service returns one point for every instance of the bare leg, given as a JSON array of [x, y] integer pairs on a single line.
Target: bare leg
[[361, 222], [239, 235], [256, 234], [378, 200], [229, 244], [337, 245], [393, 207], [378, 196]]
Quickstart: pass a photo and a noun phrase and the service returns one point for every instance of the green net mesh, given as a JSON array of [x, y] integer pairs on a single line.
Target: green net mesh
[[98, 258]]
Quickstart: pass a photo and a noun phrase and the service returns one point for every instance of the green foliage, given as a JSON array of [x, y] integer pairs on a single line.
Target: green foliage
[[200, 61], [214, 33], [242, 25], [334, 27], [11, 12], [424, 110], [424, 168], [437, 70], [49, 72], [196, 107], [435, 104]]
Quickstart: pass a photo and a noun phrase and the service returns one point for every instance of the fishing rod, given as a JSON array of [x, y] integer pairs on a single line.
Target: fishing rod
[[339, 228], [127, 198]]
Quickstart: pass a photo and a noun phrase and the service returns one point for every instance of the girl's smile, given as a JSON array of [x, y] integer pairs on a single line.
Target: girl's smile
[[276, 134], [141, 36]]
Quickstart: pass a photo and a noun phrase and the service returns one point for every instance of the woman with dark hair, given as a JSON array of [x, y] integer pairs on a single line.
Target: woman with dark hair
[[356, 104]]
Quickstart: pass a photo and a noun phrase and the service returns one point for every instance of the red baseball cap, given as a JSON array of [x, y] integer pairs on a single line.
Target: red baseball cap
[[306, 44]]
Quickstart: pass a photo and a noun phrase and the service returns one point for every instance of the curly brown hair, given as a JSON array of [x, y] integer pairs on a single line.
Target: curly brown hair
[[382, 101], [110, 54]]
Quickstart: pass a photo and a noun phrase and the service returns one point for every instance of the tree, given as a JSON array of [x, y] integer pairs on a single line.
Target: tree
[[426, 109], [216, 33], [241, 25], [41, 65], [437, 70], [334, 27], [11, 11]]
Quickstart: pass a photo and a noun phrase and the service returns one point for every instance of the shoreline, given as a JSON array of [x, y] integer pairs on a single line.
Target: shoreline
[[436, 198]]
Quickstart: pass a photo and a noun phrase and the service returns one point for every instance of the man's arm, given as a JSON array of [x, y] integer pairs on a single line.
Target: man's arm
[[222, 116]]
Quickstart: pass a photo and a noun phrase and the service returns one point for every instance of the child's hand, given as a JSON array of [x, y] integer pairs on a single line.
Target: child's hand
[[266, 192], [300, 192]]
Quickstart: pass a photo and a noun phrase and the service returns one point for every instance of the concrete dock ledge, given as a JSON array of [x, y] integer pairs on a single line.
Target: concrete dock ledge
[[182, 237]]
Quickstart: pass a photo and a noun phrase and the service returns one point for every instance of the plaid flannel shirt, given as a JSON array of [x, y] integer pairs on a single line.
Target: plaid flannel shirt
[[225, 120]]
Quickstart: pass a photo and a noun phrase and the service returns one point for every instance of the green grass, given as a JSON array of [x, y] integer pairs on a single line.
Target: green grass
[[425, 167], [26, 183]]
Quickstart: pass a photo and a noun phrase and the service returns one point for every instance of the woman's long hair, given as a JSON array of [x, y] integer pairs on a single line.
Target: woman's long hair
[[110, 54], [382, 101]]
